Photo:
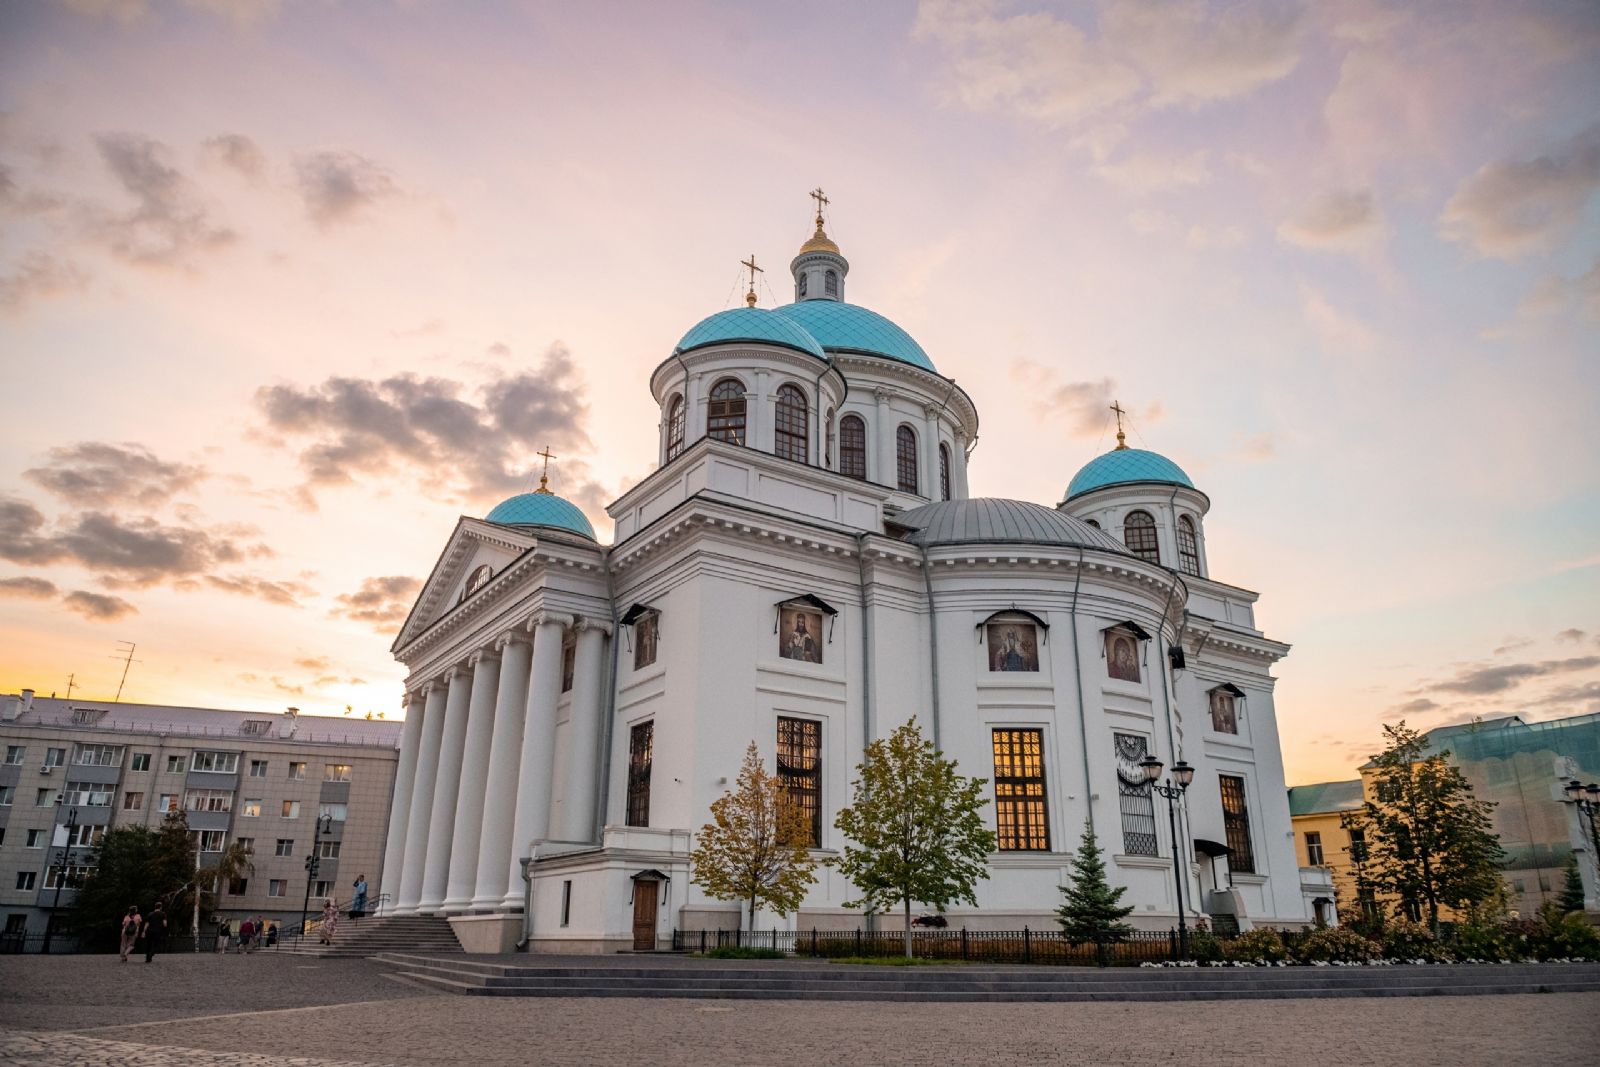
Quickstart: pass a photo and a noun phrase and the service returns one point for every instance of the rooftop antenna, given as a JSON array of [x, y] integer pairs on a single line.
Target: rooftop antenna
[[126, 656], [750, 297], [72, 683]]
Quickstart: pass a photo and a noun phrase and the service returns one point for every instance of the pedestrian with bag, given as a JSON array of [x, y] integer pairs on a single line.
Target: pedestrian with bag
[[131, 924]]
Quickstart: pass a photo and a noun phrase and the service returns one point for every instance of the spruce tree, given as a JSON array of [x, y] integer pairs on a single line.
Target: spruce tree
[[1571, 898], [1093, 910]]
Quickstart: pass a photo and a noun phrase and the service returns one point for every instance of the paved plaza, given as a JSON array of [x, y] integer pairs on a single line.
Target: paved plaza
[[274, 1011]]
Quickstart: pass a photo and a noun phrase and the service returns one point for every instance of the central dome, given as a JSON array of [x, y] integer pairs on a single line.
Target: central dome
[[990, 521], [852, 329]]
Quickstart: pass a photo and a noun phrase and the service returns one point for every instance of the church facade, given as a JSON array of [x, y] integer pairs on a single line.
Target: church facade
[[807, 569]]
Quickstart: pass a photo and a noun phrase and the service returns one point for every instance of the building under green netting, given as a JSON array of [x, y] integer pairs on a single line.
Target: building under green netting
[[1523, 768]]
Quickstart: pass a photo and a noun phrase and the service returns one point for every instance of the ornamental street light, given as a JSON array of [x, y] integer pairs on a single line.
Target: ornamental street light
[[324, 825], [1586, 798], [62, 866], [1182, 775]]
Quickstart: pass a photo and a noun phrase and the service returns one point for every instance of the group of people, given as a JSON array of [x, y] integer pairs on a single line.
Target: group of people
[[146, 932], [252, 934]]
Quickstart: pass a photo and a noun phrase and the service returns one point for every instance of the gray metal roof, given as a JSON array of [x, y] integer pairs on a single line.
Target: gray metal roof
[[993, 521], [214, 723]]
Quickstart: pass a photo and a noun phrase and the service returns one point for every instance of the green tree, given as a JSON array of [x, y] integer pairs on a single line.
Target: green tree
[[235, 862], [1093, 910], [1428, 839], [1571, 898], [755, 848], [134, 865], [915, 828]]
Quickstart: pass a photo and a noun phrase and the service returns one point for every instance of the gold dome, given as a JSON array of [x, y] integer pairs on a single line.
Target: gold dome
[[819, 242]]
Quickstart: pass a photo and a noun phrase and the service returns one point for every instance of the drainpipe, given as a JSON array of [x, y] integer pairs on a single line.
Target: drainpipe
[[1077, 677], [688, 405], [608, 707], [527, 863], [933, 642], [866, 644]]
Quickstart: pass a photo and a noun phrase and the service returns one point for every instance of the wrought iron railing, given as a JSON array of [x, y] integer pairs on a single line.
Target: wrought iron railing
[[985, 946]]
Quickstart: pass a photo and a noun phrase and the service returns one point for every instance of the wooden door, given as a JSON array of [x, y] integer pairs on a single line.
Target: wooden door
[[644, 915]]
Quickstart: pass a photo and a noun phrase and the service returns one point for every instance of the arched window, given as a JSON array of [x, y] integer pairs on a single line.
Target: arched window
[[1188, 547], [789, 432], [944, 471], [905, 457], [853, 447], [725, 417], [674, 427], [1093, 522], [830, 283], [1139, 534], [827, 441], [803, 278]]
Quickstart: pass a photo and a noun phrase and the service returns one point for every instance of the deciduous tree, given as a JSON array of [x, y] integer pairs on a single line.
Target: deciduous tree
[[915, 828], [1428, 839], [134, 865], [755, 848]]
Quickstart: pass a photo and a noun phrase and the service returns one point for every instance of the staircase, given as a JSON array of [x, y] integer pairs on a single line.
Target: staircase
[[376, 935], [798, 980]]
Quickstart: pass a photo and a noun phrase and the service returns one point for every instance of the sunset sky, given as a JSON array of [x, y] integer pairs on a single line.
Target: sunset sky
[[287, 287]]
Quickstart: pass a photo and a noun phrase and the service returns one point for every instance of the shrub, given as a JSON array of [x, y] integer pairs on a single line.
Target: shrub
[[1205, 948], [1336, 945], [887, 961], [1258, 946], [1559, 936], [1406, 940], [744, 952], [1488, 941]]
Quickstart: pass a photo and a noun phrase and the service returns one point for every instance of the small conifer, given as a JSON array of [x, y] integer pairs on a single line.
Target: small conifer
[[1093, 910]]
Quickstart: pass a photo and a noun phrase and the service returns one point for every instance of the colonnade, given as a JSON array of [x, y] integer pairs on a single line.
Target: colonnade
[[477, 764]]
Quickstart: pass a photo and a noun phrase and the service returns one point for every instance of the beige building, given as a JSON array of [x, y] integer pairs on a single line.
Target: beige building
[[263, 779]]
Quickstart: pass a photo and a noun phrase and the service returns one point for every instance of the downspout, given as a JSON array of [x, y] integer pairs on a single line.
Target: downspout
[[688, 405], [933, 642], [527, 897], [1077, 676], [1166, 700], [608, 707], [866, 643]]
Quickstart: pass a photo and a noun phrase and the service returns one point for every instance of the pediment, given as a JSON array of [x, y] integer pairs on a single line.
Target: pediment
[[473, 546]]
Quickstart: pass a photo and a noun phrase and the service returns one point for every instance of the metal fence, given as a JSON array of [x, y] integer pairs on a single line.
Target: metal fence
[[981, 946], [59, 944]]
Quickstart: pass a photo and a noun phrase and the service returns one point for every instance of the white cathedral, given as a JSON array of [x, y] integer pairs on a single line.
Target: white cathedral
[[807, 570]]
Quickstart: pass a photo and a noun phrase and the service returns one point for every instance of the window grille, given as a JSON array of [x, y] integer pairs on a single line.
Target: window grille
[[906, 458], [1135, 797], [1021, 805], [1188, 547], [725, 415], [675, 423], [800, 770], [1236, 824], [1139, 534], [641, 753], [944, 472], [853, 447]]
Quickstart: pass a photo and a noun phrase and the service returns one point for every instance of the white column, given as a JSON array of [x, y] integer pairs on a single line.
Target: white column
[[442, 820], [886, 426], [474, 774], [960, 458], [418, 821], [500, 790], [694, 426], [577, 809], [930, 452], [757, 417], [537, 762], [405, 779]]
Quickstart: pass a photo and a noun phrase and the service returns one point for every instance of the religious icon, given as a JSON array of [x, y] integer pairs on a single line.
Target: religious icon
[[800, 635], [1013, 646], [1122, 655], [1223, 720], [645, 633]]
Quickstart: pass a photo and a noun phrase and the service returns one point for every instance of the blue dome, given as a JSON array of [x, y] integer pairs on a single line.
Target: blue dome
[[750, 324], [1125, 465], [841, 327], [542, 509]]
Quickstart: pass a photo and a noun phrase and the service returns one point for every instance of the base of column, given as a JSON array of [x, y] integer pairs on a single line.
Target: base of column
[[487, 934], [484, 905], [514, 900], [456, 906]]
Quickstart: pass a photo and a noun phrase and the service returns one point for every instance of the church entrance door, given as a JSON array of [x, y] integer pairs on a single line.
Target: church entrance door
[[644, 915]]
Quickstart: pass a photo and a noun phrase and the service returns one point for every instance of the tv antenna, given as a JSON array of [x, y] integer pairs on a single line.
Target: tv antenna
[[126, 656], [72, 683]]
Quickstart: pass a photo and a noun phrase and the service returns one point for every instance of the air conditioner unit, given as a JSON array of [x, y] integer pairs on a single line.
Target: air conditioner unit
[[47, 768]]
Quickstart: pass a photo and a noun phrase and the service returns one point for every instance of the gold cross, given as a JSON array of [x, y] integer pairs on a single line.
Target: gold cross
[[822, 201], [750, 297], [544, 479], [1122, 438]]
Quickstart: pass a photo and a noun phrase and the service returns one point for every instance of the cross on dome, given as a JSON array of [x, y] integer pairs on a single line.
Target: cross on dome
[[1122, 438], [544, 478], [750, 297]]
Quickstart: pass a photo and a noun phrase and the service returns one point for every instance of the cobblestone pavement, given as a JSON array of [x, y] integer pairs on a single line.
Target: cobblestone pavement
[[282, 1012]]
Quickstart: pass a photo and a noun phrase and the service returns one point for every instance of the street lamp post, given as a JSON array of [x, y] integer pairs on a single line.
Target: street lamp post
[[324, 825], [1586, 798], [1173, 789], [61, 866]]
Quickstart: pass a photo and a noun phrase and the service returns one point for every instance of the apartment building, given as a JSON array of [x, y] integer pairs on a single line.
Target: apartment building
[[261, 779]]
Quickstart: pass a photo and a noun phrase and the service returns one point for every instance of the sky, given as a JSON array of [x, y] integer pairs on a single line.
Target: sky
[[288, 287]]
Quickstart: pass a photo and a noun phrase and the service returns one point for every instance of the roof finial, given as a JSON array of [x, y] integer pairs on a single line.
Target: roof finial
[[750, 297], [822, 201], [1122, 438], [544, 479]]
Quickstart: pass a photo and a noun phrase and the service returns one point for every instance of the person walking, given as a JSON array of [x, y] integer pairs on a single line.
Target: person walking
[[261, 933], [247, 930], [358, 903], [330, 921], [131, 923], [272, 935], [223, 934], [154, 931]]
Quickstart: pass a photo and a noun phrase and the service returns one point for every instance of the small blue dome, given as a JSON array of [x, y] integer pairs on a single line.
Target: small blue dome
[[841, 327], [1125, 465], [542, 509], [750, 324]]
